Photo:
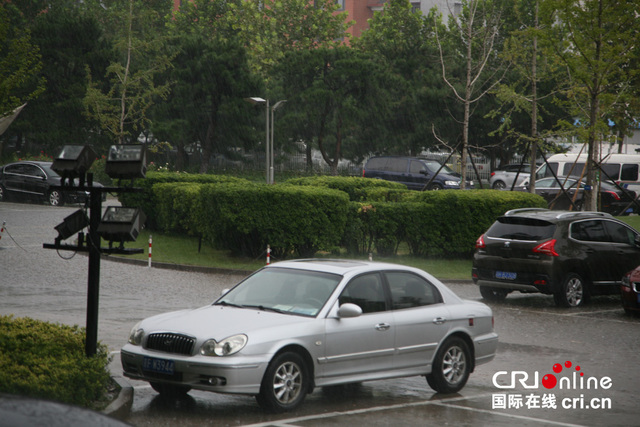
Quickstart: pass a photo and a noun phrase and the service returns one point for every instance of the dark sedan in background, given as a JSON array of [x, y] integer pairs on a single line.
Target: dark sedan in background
[[36, 181]]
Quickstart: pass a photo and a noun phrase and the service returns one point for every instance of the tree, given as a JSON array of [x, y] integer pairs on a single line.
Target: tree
[[475, 33], [404, 38], [527, 93], [211, 78], [20, 62], [336, 96], [121, 106], [70, 39], [596, 41]]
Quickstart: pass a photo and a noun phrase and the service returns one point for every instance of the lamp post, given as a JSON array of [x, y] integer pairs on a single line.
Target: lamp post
[[272, 158], [256, 100]]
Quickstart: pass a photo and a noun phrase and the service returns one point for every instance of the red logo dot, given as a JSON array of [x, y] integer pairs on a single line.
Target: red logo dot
[[557, 368], [567, 364], [549, 381]]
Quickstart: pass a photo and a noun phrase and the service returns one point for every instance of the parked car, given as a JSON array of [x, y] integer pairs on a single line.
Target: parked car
[[414, 172], [630, 291], [296, 325], [571, 255], [30, 180], [504, 176], [611, 199]]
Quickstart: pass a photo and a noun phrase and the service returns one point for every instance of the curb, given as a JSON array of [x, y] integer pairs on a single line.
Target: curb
[[121, 407]]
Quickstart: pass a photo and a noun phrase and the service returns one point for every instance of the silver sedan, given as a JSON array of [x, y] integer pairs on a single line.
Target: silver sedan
[[295, 325]]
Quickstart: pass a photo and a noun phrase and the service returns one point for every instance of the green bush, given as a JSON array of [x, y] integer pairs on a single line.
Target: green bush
[[146, 199], [43, 360], [177, 205], [295, 220], [356, 188]]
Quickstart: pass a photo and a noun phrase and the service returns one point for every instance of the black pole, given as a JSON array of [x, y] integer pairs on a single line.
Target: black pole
[[93, 283]]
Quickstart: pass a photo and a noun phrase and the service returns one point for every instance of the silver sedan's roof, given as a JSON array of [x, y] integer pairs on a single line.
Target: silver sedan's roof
[[338, 266]]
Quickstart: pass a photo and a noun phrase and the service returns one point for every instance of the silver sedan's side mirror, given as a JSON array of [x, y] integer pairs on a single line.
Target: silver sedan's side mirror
[[349, 310]]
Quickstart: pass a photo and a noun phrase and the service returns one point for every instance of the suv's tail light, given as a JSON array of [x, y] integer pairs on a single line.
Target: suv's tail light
[[546, 248], [480, 242]]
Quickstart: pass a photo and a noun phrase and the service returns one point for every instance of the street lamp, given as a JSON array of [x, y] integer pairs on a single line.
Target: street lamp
[[274, 108]]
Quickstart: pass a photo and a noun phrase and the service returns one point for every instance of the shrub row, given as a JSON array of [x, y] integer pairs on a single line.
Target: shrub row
[[146, 200], [48, 361], [306, 215]]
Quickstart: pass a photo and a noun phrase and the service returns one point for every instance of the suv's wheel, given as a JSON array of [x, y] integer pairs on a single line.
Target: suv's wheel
[[493, 294], [573, 292], [451, 366], [499, 185], [435, 186]]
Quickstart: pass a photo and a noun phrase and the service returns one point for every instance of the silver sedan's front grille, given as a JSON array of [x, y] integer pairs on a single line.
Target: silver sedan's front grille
[[171, 343]]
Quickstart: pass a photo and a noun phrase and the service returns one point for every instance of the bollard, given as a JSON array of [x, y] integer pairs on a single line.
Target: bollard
[[268, 254], [2, 229], [150, 240]]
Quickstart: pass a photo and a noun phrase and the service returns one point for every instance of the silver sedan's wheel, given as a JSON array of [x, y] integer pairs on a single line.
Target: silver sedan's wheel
[[285, 383], [572, 293], [451, 366]]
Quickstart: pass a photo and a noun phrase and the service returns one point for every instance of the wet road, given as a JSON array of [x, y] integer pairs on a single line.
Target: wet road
[[534, 336]]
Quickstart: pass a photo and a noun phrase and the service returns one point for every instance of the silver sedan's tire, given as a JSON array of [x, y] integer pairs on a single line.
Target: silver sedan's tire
[[285, 383], [451, 366]]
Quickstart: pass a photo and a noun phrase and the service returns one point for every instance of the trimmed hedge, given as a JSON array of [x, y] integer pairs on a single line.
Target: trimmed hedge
[[358, 189], [43, 360], [291, 219], [306, 215], [146, 199]]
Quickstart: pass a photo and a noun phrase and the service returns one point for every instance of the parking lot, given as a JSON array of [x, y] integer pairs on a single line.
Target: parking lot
[[596, 347]]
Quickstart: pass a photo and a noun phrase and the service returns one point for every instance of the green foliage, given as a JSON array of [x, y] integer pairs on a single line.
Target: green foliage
[[20, 62], [296, 220], [43, 360], [176, 204], [357, 188], [307, 215], [146, 198]]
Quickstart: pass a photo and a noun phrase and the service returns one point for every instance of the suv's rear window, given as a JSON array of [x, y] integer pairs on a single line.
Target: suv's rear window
[[518, 228]]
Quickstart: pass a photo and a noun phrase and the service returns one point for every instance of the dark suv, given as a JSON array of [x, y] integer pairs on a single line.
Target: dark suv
[[414, 172], [571, 255]]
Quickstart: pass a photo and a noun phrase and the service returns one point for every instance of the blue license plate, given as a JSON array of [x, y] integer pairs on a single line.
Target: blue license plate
[[160, 366], [506, 275]]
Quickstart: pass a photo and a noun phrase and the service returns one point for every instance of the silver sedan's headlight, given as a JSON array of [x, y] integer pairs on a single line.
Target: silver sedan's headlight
[[225, 347], [136, 334]]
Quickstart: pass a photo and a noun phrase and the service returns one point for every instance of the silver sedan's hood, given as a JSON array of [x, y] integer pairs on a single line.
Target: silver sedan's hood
[[217, 322]]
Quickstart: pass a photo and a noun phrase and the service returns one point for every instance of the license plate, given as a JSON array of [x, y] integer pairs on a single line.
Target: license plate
[[506, 275], [160, 366]]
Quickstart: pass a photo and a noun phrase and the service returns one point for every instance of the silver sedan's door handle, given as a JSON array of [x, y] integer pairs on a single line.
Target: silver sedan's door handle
[[382, 326], [439, 320]]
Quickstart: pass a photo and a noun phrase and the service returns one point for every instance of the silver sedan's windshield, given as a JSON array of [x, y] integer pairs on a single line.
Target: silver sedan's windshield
[[283, 290]]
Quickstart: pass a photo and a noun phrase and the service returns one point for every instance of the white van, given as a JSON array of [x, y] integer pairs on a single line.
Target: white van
[[622, 168]]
